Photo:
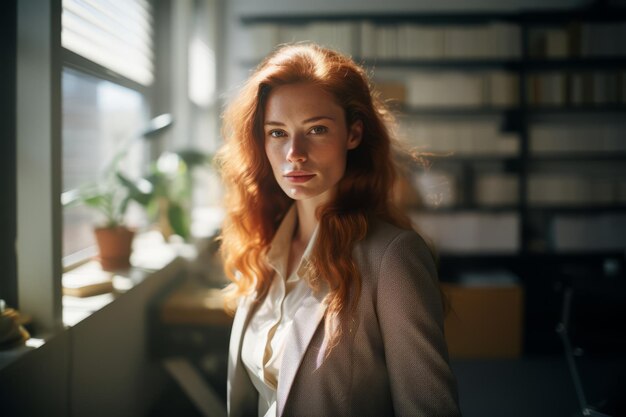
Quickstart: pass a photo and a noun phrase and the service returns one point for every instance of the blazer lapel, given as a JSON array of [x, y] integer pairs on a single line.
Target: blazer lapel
[[305, 323]]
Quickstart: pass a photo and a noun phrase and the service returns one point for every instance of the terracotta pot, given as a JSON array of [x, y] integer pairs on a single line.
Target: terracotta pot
[[115, 245]]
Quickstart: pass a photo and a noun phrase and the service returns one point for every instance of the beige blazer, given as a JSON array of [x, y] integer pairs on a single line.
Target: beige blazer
[[391, 360]]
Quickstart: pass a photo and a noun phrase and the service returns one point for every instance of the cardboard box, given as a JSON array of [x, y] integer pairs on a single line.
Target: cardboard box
[[395, 92], [484, 321]]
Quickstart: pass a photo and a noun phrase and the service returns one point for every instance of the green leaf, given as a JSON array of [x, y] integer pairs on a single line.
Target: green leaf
[[122, 208], [96, 200], [152, 209], [193, 157], [179, 220], [134, 193]]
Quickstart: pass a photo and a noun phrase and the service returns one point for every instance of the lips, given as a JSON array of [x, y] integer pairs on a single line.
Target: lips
[[298, 177]]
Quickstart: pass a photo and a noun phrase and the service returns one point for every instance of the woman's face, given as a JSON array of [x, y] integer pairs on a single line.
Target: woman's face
[[306, 141]]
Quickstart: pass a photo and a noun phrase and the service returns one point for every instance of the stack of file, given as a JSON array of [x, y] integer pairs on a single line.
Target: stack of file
[[460, 138], [497, 189], [424, 42], [561, 189], [584, 233], [470, 232]]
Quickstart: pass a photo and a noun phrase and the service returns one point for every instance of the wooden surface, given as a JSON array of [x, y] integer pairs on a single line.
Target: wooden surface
[[195, 303]]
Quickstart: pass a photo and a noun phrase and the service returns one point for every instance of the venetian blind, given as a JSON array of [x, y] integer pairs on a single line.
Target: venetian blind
[[116, 34]]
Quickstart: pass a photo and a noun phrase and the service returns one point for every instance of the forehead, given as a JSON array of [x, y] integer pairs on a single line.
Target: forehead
[[300, 101]]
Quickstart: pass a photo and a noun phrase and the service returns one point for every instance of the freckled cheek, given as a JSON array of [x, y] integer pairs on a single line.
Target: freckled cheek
[[274, 157]]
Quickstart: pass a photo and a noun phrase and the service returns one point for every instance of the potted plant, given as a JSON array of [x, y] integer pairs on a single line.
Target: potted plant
[[165, 193], [110, 197]]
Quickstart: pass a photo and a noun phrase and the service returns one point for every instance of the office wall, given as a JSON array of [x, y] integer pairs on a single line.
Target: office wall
[[99, 367], [37, 384], [112, 372]]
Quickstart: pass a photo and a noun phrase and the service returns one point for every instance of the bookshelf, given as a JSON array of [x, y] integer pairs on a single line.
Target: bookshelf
[[524, 111], [543, 99]]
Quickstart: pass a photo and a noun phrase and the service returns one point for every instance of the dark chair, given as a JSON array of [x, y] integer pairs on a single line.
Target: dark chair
[[591, 328]]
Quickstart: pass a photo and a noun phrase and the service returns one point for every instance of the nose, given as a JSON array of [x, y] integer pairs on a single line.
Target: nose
[[297, 149]]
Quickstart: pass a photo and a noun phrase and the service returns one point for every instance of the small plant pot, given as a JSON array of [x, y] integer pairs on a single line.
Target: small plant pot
[[115, 245]]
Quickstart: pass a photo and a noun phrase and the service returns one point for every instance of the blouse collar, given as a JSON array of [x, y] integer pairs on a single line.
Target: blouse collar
[[278, 253]]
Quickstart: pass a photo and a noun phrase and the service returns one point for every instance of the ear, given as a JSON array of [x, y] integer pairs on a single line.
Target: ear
[[355, 134]]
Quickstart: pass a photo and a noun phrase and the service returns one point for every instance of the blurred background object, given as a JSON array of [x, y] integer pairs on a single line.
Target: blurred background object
[[12, 331]]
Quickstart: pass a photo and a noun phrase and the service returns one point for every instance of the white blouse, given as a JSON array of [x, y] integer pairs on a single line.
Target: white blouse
[[264, 338]]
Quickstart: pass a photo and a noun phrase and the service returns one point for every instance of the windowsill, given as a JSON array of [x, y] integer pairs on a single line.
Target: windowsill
[[150, 254]]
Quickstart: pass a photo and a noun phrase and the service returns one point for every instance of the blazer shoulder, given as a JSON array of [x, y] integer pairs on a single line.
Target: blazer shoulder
[[387, 242], [381, 235]]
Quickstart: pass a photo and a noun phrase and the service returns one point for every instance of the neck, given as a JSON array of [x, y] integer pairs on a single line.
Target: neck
[[306, 221]]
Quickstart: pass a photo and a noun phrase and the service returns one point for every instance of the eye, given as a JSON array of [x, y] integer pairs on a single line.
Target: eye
[[276, 133], [318, 130]]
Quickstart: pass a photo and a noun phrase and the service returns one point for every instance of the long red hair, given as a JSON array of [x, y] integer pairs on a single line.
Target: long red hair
[[255, 204]]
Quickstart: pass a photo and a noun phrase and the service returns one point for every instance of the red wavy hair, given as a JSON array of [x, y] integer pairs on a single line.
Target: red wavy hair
[[255, 204]]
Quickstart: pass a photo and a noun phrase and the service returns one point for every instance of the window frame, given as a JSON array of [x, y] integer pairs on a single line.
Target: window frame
[[39, 218], [8, 151], [78, 63], [40, 62]]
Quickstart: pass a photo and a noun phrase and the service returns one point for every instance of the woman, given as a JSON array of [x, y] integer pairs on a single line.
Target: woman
[[338, 306]]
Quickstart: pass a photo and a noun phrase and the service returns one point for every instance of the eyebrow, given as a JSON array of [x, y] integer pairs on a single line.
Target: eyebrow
[[309, 120]]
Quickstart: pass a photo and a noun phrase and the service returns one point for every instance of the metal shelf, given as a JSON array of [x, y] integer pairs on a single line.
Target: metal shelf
[[599, 63], [578, 157], [467, 18], [466, 209], [582, 209], [455, 111], [577, 110]]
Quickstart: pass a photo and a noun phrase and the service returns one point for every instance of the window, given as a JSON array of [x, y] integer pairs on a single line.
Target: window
[[108, 69], [88, 79], [100, 118]]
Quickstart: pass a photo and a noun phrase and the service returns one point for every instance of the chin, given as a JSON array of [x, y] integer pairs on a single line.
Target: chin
[[297, 194]]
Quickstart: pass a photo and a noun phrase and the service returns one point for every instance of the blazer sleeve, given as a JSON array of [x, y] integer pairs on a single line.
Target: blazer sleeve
[[410, 315]]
